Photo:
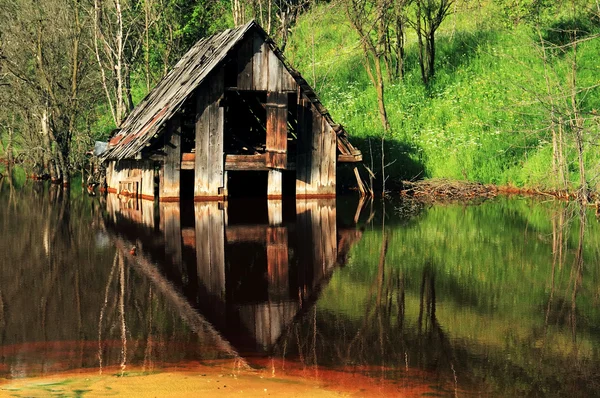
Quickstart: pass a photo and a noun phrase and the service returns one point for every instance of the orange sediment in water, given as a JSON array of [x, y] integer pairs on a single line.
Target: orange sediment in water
[[223, 379]]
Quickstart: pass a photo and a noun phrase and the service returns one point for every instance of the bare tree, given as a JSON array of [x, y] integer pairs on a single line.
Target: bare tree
[[429, 15], [370, 20], [41, 54]]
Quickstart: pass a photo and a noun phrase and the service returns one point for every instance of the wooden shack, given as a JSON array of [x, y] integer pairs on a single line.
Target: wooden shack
[[231, 104]]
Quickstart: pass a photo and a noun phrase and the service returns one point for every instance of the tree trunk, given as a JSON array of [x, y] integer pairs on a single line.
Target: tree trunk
[[431, 54], [119, 65], [421, 46], [380, 95]]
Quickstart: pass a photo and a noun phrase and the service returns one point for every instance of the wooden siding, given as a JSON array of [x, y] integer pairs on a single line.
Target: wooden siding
[[169, 174], [274, 184], [237, 162], [260, 69], [131, 178], [209, 159], [277, 128], [316, 153]]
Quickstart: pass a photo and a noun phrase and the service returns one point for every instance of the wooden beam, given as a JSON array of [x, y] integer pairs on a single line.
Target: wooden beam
[[347, 158], [208, 163], [169, 181]]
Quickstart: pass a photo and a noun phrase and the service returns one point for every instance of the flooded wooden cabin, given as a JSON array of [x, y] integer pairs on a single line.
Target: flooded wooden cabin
[[232, 115]]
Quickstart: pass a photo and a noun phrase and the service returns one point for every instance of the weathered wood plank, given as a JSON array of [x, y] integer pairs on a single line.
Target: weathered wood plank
[[277, 129], [260, 63], [316, 146], [275, 70], [246, 162], [202, 140], [303, 147], [245, 64], [208, 177], [216, 157], [317, 154], [147, 183], [327, 164], [170, 173], [274, 184]]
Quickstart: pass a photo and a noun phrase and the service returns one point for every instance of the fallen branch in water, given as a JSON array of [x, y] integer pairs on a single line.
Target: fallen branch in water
[[438, 190], [434, 190]]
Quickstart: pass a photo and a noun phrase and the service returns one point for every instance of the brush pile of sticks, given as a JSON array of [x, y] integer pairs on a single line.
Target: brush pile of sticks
[[440, 190]]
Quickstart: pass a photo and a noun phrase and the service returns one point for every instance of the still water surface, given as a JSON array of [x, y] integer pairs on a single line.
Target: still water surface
[[500, 298]]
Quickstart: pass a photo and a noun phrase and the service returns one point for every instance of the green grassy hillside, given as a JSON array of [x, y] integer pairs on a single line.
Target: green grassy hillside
[[484, 117]]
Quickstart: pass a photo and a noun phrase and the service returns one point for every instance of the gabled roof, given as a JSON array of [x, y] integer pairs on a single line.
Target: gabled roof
[[169, 95]]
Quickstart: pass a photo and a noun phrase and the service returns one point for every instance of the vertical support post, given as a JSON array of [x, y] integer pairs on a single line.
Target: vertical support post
[[303, 147], [275, 184], [170, 179], [316, 161], [209, 164]]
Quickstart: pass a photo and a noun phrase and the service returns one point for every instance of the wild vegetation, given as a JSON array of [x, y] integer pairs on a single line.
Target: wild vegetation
[[507, 307], [501, 92]]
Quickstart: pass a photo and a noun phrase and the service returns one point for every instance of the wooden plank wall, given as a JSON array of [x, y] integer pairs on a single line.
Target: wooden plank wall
[[210, 159], [170, 171], [316, 157], [277, 129], [259, 69], [141, 171], [210, 249], [317, 238]]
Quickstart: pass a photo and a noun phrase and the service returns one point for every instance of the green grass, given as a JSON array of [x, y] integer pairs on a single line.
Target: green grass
[[479, 120]]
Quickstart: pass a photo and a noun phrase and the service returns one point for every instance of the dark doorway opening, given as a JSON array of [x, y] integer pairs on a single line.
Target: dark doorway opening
[[247, 184], [187, 185]]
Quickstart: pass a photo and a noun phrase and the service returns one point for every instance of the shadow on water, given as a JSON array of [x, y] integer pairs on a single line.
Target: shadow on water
[[499, 299]]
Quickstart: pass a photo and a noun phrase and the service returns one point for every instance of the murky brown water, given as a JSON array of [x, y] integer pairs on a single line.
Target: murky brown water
[[497, 299]]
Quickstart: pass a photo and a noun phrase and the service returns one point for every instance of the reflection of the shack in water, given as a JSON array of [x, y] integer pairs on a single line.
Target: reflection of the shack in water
[[247, 268]]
